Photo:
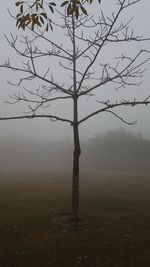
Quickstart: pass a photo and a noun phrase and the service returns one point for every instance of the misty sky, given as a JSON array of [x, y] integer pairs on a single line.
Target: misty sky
[[45, 129]]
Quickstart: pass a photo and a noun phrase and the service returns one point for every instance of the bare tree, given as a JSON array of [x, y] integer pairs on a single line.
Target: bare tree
[[79, 55]]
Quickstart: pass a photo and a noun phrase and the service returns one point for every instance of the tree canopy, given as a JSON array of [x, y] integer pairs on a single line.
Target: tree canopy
[[37, 12]]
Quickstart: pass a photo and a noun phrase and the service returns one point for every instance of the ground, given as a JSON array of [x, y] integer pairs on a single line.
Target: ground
[[114, 230]]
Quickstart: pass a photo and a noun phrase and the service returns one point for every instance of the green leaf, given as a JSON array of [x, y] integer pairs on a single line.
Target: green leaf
[[27, 23], [76, 2], [23, 26], [38, 23], [77, 12], [40, 6], [19, 3], [51, 9], [41, 19], [17, 22], [46, 28], [21, 9], [83, 10], [44, 15], [18, 15], [51, 26], [69, 10], [32, 26], [52, 4], [37, 7], [64, 3]]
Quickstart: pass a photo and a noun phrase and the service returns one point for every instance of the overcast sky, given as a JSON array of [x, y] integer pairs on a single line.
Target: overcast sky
[[45, 129]]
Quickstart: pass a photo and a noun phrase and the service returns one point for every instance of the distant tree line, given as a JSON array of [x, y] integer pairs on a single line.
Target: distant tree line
[[118, 150], [114, 150]]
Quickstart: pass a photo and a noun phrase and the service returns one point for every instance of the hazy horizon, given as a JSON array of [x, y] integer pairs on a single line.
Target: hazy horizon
[[114, 151]]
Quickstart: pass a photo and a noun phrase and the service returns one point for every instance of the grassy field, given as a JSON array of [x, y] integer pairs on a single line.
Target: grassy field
[[114, 230]]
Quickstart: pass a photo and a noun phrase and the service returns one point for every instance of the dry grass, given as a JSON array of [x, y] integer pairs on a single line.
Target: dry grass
[[115, 231]]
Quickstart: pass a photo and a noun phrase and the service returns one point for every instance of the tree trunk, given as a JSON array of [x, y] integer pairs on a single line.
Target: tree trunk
[[75, 176], [77, 150]]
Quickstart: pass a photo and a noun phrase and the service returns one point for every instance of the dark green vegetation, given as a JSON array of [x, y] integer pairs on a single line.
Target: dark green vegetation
[[114, 230]]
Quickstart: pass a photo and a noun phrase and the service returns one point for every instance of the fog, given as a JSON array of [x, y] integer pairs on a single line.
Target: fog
[[49, 131], [113, 151]]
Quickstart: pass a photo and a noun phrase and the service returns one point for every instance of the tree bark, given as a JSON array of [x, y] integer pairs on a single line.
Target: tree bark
[[77, 150], [75, 175]]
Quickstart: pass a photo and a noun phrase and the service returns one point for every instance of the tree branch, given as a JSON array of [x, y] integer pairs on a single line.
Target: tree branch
[[111, 106], [128, 71], [33, 76], [51, 117]]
